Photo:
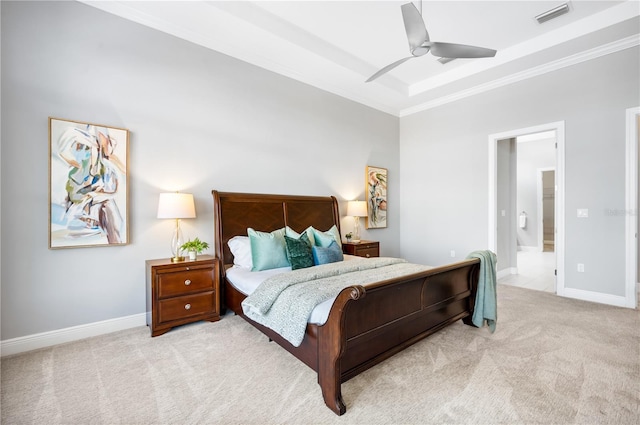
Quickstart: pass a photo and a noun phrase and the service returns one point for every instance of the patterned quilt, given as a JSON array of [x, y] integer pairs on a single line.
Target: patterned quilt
[[284, 302]]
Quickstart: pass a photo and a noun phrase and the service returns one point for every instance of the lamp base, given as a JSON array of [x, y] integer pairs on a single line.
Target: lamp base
[[356, 229], [176, 244]]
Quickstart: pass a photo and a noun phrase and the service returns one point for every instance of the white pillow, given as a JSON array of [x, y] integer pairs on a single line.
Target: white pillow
[[240, 247]]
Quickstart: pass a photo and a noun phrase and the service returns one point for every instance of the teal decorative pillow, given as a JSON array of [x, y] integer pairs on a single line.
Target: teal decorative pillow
[[299, 251], [330, 254], [324, 239], [268, 250], [288, 231]]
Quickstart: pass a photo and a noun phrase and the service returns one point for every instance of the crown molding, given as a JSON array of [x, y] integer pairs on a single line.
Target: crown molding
[[587, 55]]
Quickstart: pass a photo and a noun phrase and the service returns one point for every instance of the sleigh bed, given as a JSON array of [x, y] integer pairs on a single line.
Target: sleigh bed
[[365, 325]]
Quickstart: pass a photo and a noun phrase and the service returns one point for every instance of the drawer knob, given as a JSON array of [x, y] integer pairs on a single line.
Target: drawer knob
[[187, 282], [187, 307], [368, 255]]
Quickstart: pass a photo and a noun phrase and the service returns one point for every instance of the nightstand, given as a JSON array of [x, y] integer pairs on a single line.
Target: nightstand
[[362, 248], [180, 293]]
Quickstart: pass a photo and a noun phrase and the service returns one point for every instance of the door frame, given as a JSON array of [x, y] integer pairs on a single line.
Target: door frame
[[631, 207], [559, 128]]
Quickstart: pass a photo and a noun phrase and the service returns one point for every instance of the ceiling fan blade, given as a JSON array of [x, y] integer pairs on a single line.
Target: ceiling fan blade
[[414, 26], [452, 50], [388, 68]]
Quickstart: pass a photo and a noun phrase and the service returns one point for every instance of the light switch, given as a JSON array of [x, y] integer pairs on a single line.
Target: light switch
[[583, 213], [503, 212]]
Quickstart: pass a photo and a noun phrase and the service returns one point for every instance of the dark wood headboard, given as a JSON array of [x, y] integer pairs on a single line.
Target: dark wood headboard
[[233, 213]]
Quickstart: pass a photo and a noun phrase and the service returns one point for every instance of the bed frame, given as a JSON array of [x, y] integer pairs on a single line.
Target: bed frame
[[365, 325]]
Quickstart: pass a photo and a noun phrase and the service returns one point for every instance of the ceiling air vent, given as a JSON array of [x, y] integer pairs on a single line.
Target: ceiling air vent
[[553, 13]]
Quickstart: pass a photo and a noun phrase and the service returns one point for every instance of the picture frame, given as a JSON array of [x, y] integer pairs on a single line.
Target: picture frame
[[88, 184], [376, 196]]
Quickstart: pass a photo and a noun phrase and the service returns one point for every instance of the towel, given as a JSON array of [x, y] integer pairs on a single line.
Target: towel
[[486, 307], [523, 220]]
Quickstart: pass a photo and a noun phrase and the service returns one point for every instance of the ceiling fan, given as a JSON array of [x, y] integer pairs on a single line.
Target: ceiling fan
[[420, 44]]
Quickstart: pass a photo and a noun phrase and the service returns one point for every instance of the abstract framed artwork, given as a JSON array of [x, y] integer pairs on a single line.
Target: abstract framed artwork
[[376, 193], [88, 185]]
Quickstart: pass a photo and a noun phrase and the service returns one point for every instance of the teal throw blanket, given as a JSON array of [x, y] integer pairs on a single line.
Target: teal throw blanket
[[486, 307]]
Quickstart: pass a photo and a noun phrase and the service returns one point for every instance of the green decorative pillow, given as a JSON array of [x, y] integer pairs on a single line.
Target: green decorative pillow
[[299, 251], [324, 239], [268, 250], [330, 254]]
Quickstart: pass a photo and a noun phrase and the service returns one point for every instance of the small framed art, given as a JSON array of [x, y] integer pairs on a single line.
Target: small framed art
[[88, 184], [376, 193]]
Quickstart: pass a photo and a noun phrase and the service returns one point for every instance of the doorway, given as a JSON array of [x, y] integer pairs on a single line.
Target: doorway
[[535, 200], [529, 236]]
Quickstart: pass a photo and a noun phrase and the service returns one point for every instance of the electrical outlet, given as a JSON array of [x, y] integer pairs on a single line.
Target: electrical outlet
[[581, 267], [583, 213], [453, 253]]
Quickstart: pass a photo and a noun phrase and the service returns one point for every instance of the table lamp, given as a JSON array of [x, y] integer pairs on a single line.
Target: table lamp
[[356, 209], [176, 206]]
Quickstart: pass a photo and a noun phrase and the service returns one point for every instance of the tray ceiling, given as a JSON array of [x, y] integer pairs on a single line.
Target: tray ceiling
[[337, 45]]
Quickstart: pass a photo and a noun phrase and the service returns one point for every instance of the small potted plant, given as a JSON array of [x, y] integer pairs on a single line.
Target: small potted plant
[[348, 236], [194, 247]]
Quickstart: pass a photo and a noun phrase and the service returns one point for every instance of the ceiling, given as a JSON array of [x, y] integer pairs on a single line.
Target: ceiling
[[337, 45]]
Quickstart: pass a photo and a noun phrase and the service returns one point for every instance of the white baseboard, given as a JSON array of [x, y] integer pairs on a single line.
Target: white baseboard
[[506, 272], [596, 297], [74, 333]]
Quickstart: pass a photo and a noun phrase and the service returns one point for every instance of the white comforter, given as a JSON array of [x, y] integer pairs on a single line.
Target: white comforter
[[246, 281]]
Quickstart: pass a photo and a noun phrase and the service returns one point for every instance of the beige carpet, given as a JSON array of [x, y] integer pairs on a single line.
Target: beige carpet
[[552, 360]]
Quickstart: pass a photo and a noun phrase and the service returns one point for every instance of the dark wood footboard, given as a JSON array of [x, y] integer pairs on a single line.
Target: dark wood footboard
[[368, 325]]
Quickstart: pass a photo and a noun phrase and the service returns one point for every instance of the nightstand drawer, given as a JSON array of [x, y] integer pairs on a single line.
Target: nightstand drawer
[[366, 249], [171, 284], [368, 252], [187, 306]]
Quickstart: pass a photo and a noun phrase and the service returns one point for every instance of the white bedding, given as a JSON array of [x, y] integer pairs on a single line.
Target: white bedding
[[246, 281]]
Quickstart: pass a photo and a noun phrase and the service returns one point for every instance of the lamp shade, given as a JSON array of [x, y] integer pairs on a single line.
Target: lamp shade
[[176, 205], [357, 208]]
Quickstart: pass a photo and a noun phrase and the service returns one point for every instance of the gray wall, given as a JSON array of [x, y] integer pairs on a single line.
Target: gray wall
[[531, 156], [199, 120], [444, 165]]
